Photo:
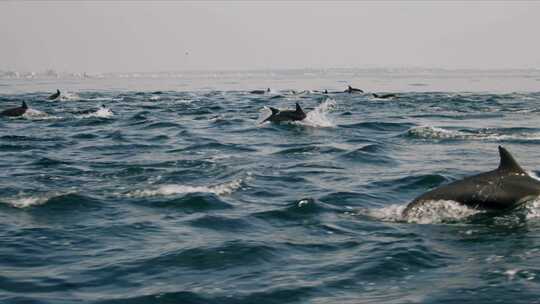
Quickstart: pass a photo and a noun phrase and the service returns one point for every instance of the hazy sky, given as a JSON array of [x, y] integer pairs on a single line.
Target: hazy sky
[[101, 36]]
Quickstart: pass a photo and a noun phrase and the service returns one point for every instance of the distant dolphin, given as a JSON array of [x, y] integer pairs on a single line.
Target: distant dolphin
[[322, 92], [353, 90], [55, 95], [503, 188], [260, 91], [15, 112], [384, 96], [89, 111], [286, 115]]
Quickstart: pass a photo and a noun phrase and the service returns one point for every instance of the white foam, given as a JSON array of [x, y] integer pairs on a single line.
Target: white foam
[[428, 213], [101, 112], [69, 96], [155, 97], [533, 209], [429, 132], [34, 114], [25, 201], [165, 190], [105, 99]]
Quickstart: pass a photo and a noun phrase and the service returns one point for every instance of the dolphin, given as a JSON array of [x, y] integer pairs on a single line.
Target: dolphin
[[55, 95], [89, 111], [506, 187], [15, 112], [384, 96], [353, 90], [260, 92], [286, 115]]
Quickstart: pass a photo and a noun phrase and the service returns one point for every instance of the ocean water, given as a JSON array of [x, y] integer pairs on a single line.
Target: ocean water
[[164, 188]]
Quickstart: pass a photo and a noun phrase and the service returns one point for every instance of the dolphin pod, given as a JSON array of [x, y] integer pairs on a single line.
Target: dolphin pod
[[15, 112], [506, 187]]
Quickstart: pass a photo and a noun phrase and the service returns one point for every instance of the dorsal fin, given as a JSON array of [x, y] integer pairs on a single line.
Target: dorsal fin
[[299, 109], [274, 110], [508, 163], [24, 106]]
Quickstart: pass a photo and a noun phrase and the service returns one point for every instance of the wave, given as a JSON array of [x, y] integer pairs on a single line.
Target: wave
[[166, 190], [23, 200], [446, 211], [429, 132], [304, 208]]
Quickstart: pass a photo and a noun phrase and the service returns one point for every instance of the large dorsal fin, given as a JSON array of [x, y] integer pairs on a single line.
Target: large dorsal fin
[[508, 163], [299, 109], [24, 106]]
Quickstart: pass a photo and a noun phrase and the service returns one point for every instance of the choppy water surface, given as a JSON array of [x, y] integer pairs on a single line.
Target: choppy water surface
[[180, 196]]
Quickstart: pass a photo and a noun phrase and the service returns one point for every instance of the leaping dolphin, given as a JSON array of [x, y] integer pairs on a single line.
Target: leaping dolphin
[[503, 188], [286, 115], [15, 112], [55, 95]]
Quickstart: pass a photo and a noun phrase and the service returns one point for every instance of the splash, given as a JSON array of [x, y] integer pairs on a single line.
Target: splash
[[434, 212], [69, 96], [34, 114], [318, 117], [165, 190], [533, 209]]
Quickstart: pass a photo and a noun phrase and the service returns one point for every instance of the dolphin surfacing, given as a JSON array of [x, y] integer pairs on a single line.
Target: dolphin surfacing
[[55, 95], [352, 90], [384, 96], [286, 115], [15, 112], [506, 187]]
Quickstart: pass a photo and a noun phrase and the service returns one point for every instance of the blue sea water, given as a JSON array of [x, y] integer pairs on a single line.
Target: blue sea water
[[172, 192]]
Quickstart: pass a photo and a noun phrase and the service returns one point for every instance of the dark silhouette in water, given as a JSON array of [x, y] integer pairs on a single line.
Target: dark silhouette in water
[[89, 111], [15, 112], [55, 95], [286, 115], [384, 96], [351, 90], [506, 187], [260, 91]]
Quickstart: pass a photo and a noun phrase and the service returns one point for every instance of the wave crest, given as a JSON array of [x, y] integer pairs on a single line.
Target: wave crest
[[165, 190], [429, 132], [432, 212]]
